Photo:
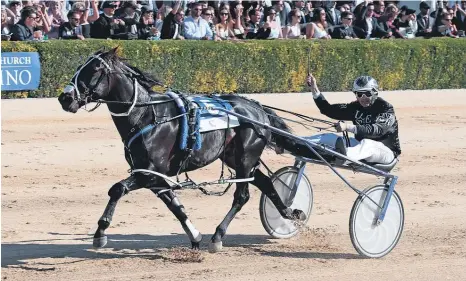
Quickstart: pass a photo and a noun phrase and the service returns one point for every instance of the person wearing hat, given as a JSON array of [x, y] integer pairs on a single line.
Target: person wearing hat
[[372, 122], [119, 12], [107, 25], [147, 25], [83, 10], [424, 21], [131, 20], [405, 24]]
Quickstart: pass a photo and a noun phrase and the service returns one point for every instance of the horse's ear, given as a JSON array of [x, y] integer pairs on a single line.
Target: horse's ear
[[113, 52]]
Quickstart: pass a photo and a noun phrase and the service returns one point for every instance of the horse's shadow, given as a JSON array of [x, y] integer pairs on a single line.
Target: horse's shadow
[[137, 245]]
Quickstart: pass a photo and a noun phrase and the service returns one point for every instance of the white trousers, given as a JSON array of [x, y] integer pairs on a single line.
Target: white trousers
[[368, 150]]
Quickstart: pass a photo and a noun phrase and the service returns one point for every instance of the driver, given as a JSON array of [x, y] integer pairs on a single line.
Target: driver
[[373, 122]]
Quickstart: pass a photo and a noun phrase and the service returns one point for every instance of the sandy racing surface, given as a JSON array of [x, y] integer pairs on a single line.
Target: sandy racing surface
[[57, 168]]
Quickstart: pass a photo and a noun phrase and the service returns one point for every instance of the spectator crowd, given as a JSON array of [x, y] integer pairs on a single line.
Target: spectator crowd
[[228, 20]]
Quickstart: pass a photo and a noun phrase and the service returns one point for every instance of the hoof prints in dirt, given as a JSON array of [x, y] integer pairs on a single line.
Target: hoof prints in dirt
[[184, 255]]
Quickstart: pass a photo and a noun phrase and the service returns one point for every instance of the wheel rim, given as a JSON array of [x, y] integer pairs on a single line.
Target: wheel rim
[[377, 240], [278, 225]]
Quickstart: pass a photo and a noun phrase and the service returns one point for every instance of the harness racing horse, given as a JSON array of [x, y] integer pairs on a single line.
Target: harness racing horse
[[106, 78]]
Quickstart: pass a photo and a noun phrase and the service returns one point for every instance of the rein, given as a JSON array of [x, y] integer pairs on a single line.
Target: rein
[[133, 75], [87, 98]]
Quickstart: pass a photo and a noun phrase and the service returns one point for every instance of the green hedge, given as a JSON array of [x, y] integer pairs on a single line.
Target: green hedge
[[263, 66]]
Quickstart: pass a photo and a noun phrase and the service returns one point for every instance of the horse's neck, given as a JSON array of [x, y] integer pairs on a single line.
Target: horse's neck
[[136, 116], [142, 116]]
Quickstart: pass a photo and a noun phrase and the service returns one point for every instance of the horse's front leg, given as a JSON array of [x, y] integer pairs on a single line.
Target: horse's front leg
[[169, 198], [117, 191]]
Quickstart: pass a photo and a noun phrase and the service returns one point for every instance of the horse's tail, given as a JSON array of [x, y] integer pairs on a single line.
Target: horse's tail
[[279, 142]]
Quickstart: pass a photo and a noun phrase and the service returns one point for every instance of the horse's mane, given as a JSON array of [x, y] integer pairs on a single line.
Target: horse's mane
[[145, 79]]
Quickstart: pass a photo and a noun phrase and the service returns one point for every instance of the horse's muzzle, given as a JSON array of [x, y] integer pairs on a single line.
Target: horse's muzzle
[[68, 103]]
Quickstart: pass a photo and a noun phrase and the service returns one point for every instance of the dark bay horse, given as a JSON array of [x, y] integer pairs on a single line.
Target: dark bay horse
[[106, 77]]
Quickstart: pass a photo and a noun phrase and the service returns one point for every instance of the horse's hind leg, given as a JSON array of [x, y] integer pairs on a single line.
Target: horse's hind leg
[[169, 198], [241, 197], [117, 191], [243, 162], [265, 185]]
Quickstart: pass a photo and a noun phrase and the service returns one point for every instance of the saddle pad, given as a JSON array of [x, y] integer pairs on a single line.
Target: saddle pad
[[212, 119]]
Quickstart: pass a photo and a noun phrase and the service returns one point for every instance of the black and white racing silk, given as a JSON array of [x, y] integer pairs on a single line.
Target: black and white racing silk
[[376, 122]]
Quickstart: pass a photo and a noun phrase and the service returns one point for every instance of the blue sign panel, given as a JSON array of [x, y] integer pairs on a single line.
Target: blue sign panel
[[20, 71]]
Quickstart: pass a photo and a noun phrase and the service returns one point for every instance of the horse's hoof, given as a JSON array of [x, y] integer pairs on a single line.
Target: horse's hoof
[[197, 242], [195, 245], [100, 242], [215, 247], [299, 215]]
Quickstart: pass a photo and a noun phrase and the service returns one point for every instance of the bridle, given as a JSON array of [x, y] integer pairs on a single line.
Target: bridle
[[90, 91]]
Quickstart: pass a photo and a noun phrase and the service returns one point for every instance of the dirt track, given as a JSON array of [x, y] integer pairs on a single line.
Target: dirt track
[[57, 168]]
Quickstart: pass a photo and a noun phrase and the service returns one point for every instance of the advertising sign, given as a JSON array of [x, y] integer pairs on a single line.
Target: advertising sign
[[20, 71]]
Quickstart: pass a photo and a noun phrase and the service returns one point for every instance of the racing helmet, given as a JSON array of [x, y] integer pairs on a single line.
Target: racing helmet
[[366, 84]]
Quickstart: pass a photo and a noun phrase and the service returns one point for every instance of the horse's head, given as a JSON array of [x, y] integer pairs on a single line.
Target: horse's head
[[91, 81]]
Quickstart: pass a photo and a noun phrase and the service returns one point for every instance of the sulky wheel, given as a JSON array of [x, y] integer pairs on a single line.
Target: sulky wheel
[[368, 238], [283, 181]]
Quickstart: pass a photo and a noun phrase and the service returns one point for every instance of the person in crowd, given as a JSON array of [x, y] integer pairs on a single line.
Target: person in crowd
[[301, 6], [332, 14], [13, 11], [236, 19], [6, 26], [224, 28], [208, 16], [107, 26], [424, 21], [345, 30], [293, 30], [56, 18], [460, 16], [129, 30], [272, 25], [42, 19], [71, 29], [282, 10], [366, 22], [25, 29], [147, 29], [172, 27], [317, 29], [83, 9], [345, 8], [195, 27], [445, 27], [405, 24], [379, 8]]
